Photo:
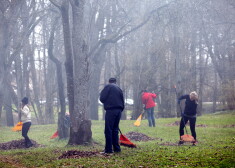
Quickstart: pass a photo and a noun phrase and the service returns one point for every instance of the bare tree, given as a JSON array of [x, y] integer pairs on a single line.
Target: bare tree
[[62, 128]]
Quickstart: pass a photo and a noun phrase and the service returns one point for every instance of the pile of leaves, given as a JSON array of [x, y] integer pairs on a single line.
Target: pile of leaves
[[17, 144], [136, 136], [77, 154], [229, 126], [177, 123]]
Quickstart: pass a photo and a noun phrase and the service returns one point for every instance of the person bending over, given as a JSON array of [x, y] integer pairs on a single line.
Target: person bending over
[[189, 114]]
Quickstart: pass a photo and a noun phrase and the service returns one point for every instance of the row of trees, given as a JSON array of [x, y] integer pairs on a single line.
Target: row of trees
[[69, 48]]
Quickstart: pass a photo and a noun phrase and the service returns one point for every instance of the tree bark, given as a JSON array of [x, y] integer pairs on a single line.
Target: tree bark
[[64, 9], [36, 90], [80, 131]]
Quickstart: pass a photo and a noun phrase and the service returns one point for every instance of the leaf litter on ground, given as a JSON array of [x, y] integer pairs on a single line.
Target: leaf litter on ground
[[17, 144]]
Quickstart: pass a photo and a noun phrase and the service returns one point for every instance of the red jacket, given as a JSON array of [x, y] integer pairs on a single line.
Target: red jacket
[[148, 99]]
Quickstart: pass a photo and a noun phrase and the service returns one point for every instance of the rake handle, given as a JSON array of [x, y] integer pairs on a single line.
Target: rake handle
[[119, 131]]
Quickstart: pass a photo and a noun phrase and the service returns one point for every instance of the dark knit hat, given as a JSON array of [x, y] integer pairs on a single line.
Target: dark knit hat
[[25, 100], [112, 80], [142, 91]]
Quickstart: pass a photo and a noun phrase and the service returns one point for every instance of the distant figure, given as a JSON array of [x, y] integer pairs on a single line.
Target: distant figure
[[149, 104], [26, 119], [67, 120], [190, 114], [112, 98]]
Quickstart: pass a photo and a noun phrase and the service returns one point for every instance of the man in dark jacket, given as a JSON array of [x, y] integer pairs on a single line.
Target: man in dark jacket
[[112, 98]]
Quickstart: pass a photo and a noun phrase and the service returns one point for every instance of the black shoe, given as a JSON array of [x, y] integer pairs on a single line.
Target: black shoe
[[194, 143], [181, 142], [29, 145]]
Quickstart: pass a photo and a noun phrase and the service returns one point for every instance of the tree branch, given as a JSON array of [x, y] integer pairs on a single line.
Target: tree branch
[[26, 34], [56, 4], [51, 40], [114, 38]]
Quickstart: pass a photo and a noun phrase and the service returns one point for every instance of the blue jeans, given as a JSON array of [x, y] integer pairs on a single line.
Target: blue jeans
[[112, 119], [151, 119], [25, 129]]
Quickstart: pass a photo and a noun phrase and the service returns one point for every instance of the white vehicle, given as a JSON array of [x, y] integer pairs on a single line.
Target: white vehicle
[[129, 102]]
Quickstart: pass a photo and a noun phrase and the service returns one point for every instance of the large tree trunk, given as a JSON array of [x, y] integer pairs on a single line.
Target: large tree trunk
[[97, 61], [50, 89], [4, 54], [68, 62], [36, 90], [68, 53], [7, 102], [49, 76], [80, 131], [94, 85]]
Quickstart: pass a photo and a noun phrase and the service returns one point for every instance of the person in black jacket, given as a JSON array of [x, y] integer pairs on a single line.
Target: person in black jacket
[[190, 114], [112, 98]]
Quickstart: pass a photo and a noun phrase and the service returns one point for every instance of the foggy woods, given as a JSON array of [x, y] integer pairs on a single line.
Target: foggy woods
[[61, 53]]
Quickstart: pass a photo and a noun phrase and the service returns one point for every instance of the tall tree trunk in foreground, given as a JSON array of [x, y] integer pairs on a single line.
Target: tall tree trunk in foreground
[[80, 131], [64, 10]]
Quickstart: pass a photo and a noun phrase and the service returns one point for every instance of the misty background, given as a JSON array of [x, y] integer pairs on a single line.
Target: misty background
[[61, 53]]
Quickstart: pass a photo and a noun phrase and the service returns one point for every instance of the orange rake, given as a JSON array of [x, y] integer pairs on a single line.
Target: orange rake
[[56, 134], [125, 141], [187, 138], [17, 127], [138, 121]]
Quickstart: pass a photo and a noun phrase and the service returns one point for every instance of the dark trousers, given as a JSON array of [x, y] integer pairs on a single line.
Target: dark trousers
[[25, 130], [151, 118], [112, 119], [192, 122]]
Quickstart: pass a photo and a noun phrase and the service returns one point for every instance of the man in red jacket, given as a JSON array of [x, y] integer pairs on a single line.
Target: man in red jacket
[[148, 101]]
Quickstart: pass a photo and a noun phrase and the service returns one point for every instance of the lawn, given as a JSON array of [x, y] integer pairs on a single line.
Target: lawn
[[216, 147]]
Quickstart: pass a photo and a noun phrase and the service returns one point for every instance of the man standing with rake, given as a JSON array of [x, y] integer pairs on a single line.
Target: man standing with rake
[[112, 98]]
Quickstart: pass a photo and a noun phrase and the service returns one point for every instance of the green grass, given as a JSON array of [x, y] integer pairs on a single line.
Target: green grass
[[215, 148]]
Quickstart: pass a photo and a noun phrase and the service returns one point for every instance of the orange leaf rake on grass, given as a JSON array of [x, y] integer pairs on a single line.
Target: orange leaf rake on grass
[[17, 127], [56, 134], [125, 141], [138, 121]]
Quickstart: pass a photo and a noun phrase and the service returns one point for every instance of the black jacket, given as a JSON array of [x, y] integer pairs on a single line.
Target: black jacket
[[112, 97], [190, 106]]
